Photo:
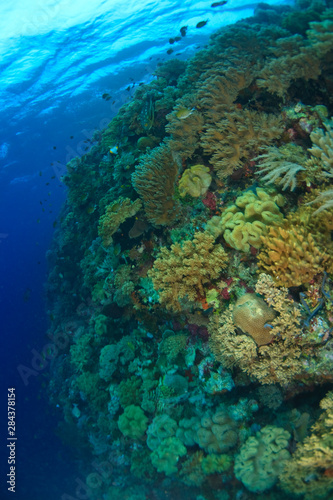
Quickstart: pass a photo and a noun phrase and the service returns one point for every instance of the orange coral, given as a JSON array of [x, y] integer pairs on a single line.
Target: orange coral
[[291, 256]]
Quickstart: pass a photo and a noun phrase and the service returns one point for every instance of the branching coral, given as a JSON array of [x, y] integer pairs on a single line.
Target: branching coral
[[310, 470], [281, 165], [182, 271], [237, 136], [116, 213], [292, 256], [154, 179]]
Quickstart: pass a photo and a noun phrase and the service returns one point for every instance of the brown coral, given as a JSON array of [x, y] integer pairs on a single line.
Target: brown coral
[[154, 179], [183, 270], [251, 314], [236, 136]]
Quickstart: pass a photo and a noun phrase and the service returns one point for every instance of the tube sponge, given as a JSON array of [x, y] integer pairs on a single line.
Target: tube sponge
[[262, 458]]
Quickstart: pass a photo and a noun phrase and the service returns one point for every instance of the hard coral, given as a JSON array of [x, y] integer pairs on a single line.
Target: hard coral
[[251, 314]]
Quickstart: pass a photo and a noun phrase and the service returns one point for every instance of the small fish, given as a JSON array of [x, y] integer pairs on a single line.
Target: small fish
[[55, 223], [171, 40], [72, 137], [76, 411], [27, 295], [183, 113], [90, 208], [114, 150], [169, 51], [183, 30], [54, 147], [219, 4], [177, 38], [106, 96], [201, 24]]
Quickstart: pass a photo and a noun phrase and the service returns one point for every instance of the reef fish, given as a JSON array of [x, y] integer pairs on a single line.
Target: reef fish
[[183, 113], [114, 150], [219, 4], [201, 24], [147, 116]]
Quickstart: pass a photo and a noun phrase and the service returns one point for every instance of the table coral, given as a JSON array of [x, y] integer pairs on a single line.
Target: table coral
[[291, 256], [182, 271], [261, 458]]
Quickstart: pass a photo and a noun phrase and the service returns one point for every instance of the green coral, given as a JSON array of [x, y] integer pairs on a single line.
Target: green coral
[[262, 458], [133, 422], [212, 464], [244, 223], [166, 456]]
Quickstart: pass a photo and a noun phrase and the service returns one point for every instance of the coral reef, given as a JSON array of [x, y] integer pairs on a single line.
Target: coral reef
[[182, 366]]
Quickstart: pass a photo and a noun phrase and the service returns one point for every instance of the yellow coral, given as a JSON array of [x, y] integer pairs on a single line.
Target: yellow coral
[[310, 471], [291, 256], [280, 361], [183, 270], [244, 223], [195, 181]]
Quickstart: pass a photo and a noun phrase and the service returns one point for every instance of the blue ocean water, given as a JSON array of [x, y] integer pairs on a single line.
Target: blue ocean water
[[58, 58]]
